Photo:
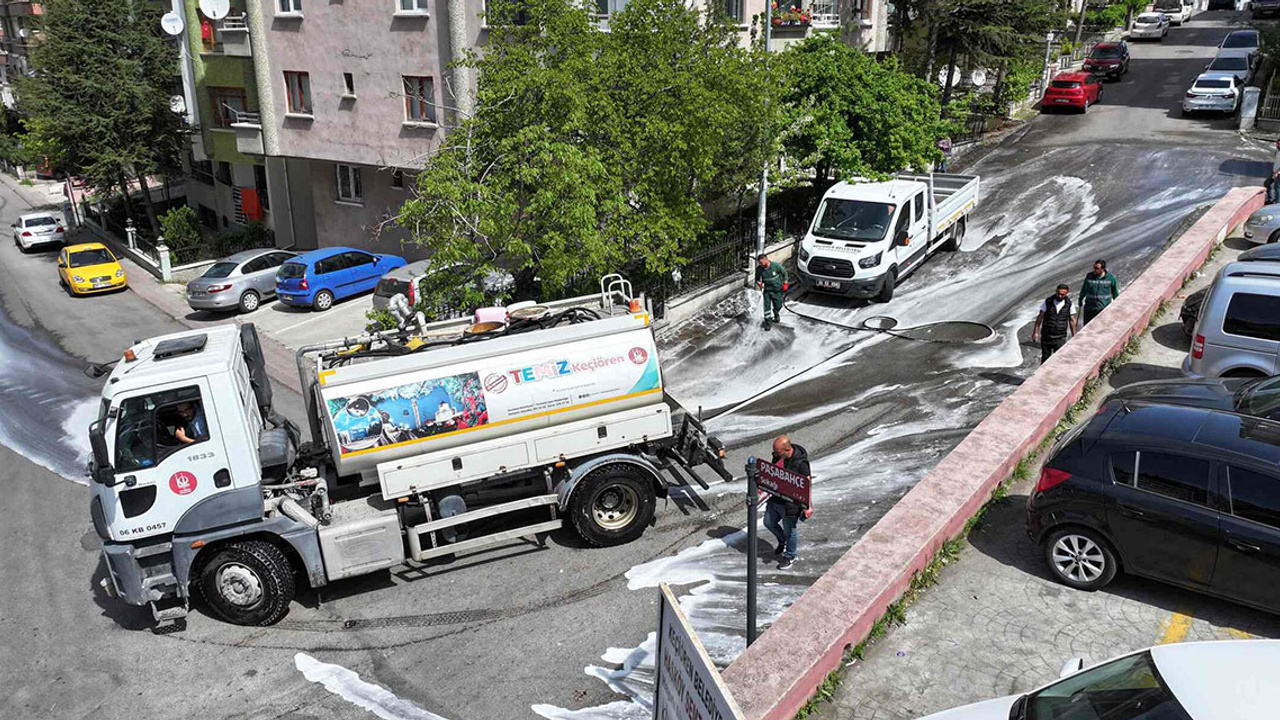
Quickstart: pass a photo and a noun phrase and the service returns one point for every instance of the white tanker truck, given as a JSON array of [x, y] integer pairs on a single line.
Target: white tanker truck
[[423, 444]]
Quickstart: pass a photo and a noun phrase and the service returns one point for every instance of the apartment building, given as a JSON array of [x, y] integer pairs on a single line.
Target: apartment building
[[16, 31]]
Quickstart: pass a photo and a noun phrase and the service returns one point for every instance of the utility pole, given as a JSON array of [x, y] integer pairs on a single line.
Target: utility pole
[[1044, 74], [762, 206], [753, 505]]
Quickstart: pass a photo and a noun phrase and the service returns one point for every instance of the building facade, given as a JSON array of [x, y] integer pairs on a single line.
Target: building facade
[[16, 32]]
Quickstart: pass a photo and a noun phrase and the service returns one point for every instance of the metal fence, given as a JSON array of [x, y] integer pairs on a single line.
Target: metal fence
[[1270, 107], [975, 124]]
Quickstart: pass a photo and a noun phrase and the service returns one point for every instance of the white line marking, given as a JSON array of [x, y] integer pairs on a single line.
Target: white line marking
[[347, 685]]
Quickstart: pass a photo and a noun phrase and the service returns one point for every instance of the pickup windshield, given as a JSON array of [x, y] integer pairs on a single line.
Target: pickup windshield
[[853, 220]]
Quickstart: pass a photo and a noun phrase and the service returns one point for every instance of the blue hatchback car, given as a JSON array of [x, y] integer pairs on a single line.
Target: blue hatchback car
[[318, 278]]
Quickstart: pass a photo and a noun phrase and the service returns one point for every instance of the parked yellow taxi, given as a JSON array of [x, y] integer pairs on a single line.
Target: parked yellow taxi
[[90, 268]]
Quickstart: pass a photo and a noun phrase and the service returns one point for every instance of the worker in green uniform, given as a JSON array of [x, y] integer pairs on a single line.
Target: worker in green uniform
[[771, 277], [1097, 291]]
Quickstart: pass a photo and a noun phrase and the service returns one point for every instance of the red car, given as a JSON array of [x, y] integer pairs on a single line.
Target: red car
[[1073, 90]]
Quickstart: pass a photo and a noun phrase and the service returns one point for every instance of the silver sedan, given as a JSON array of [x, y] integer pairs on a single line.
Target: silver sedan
[[239, 282], [1263, 226]]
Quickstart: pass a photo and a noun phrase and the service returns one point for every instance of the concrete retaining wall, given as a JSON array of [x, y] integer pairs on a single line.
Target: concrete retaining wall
[[773, 678]]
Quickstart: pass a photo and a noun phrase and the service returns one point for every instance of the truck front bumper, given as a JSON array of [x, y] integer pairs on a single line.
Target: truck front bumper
[[846, 287], [131, 582]]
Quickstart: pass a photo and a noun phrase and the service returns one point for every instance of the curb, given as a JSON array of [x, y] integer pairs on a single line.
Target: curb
[[772, 679]]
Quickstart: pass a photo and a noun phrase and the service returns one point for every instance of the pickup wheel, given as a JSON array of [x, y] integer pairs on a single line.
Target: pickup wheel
[[957, 236], [886, 289], [612, 504], [248, 583]]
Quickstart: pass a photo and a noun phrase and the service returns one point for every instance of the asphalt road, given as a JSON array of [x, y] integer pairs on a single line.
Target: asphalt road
[[492, 635]]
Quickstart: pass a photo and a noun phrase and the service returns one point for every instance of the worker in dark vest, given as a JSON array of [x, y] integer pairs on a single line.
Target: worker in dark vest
[[1055, 323], [771, 277]]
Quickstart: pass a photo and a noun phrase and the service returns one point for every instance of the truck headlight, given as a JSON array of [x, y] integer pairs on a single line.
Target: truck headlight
[[804, 254], [870, 261]]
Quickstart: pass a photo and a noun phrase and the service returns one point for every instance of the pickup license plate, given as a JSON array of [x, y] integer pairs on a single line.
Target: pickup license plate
[[828, 284]]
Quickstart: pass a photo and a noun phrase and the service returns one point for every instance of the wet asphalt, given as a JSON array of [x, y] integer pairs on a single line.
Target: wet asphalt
[[493, 635]]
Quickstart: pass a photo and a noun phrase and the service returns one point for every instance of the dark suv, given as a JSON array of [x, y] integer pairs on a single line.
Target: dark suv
[[1187, 495]]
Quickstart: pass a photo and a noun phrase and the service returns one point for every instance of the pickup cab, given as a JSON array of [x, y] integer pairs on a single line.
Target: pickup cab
[[866, 236]]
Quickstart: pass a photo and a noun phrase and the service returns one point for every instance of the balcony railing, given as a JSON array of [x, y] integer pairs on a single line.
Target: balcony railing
[[233, 23], [246, 118]]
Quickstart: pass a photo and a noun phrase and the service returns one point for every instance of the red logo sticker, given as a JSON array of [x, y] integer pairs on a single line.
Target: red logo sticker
[[495, 383], [638, 355], [182, 483]]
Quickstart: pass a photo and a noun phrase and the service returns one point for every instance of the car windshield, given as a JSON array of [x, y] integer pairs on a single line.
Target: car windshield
[[1149, 19], [1126, 689], [1105, 52], [1229, 63], [46, 220], [1064, 84], [220, 270], [1240, 40], [1169, 5], [853, 220], [1259, 397], [292, 270], [85, 258], [1213, 84]]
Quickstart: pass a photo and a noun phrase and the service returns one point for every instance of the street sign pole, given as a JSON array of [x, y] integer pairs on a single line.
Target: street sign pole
[[753, 505]]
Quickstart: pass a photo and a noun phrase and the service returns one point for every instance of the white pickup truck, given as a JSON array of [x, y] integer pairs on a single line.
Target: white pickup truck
[[850, 249]]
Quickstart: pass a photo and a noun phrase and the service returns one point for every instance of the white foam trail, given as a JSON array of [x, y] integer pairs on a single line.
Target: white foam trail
[[617, 710], [347, 685], [1007, 353], [76, 426]]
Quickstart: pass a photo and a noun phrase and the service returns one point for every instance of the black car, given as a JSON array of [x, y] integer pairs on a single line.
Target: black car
[[1258, 397], [1190, 311], [1186, 495]]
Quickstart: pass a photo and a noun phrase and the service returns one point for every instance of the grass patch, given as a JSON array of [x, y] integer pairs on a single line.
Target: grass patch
[[26, 182]]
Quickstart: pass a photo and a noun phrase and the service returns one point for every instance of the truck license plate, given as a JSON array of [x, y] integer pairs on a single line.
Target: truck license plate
[[829, 284]]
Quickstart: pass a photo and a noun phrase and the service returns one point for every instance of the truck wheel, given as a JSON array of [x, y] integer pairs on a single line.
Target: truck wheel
[[886, 290], [957, 236], [612, 504], [248, 583]]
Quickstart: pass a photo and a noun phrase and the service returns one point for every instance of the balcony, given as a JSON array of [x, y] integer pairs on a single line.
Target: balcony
[[248, 127], [22, 7], [233, 36]]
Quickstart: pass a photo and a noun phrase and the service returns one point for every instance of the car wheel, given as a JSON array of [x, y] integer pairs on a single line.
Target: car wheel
[[1273, 237], [1080, 558], [249, 301], [323, 301]]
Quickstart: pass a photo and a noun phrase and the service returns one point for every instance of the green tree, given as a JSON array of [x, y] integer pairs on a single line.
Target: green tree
[[849, 115], [98, 102], [180, 228], [587, 150]]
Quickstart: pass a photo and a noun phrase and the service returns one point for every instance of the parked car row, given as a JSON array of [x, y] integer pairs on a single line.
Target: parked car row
[[1219, 88], [1081, 90]]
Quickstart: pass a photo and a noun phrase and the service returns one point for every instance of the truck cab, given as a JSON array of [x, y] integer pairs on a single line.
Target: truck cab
[[866, 236]]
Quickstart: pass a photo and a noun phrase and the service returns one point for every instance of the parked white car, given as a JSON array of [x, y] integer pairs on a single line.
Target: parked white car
[[1212, 94], [39, 228], [1150, 26], [1228, 680]]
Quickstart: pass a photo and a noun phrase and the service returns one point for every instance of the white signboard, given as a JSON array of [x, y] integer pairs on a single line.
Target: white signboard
[[687, 685]]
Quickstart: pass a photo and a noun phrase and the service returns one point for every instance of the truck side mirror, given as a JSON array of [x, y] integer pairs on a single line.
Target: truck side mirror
[[903, 238], [102, 470]]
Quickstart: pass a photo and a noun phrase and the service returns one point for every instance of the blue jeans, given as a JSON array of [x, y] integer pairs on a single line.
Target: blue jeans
[[783, 527]]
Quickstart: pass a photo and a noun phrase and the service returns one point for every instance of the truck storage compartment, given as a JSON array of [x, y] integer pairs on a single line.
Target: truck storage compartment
[[361, 546]]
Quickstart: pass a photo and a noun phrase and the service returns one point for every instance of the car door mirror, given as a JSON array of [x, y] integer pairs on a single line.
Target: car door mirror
[[102, 471], [61, 264], [376, 259], [903, 238]]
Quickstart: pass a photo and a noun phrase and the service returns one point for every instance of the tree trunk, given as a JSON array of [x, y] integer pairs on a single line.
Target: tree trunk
[[1084, 7], [150, 206], [997, 93], [951, 73], [128, 204], [932, 52]]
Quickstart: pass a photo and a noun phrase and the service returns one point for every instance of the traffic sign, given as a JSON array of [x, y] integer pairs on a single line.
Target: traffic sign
[[783, 483], [687, 685]]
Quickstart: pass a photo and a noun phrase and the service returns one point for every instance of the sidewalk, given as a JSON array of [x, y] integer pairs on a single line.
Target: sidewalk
[[996, 624]]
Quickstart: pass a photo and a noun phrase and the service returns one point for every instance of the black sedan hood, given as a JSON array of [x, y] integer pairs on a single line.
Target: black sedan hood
[[1212, 393]]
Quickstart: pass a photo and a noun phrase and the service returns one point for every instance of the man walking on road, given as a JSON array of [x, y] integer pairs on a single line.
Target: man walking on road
[[771, 277], [1057, 317], [1097, 291], [781, 515]]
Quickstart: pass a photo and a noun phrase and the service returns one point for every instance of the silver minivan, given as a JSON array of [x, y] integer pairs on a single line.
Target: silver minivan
[[1238, 331]]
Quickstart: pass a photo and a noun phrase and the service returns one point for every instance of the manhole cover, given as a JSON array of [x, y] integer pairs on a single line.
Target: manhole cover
[[880, 322]]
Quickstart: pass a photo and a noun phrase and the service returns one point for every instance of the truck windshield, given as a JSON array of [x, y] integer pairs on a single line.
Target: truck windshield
[[853, 220]]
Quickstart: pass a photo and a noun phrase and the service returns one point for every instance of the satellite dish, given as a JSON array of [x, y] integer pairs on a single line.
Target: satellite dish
[[215, 9], [177, 103], [172, 23], [942, 77], [22, 32], [978, 77]]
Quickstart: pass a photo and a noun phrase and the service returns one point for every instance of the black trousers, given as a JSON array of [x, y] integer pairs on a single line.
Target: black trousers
[[1048, 346]]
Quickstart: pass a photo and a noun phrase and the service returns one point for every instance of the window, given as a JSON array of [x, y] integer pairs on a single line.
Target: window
[[224, 173], [208, 217], [356, 259], [419, 99], [349, 189], [293, 7], [919, 207], [1254, 496], [348, 85], [1255, 316], [610, 7], [733, 8], [257, 264], [277, 259], [260, 184], [852, 220], [329, 264], [202, 170], [412, 6], [1126, 689], [1123, 466], [152, 427], [1174, 476], [507, 12], [901, 227], [226, 102], [397, 180], [298, 92]]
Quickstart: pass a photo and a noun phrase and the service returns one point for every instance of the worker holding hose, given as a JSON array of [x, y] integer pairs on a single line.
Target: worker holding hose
[[771, 277]]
